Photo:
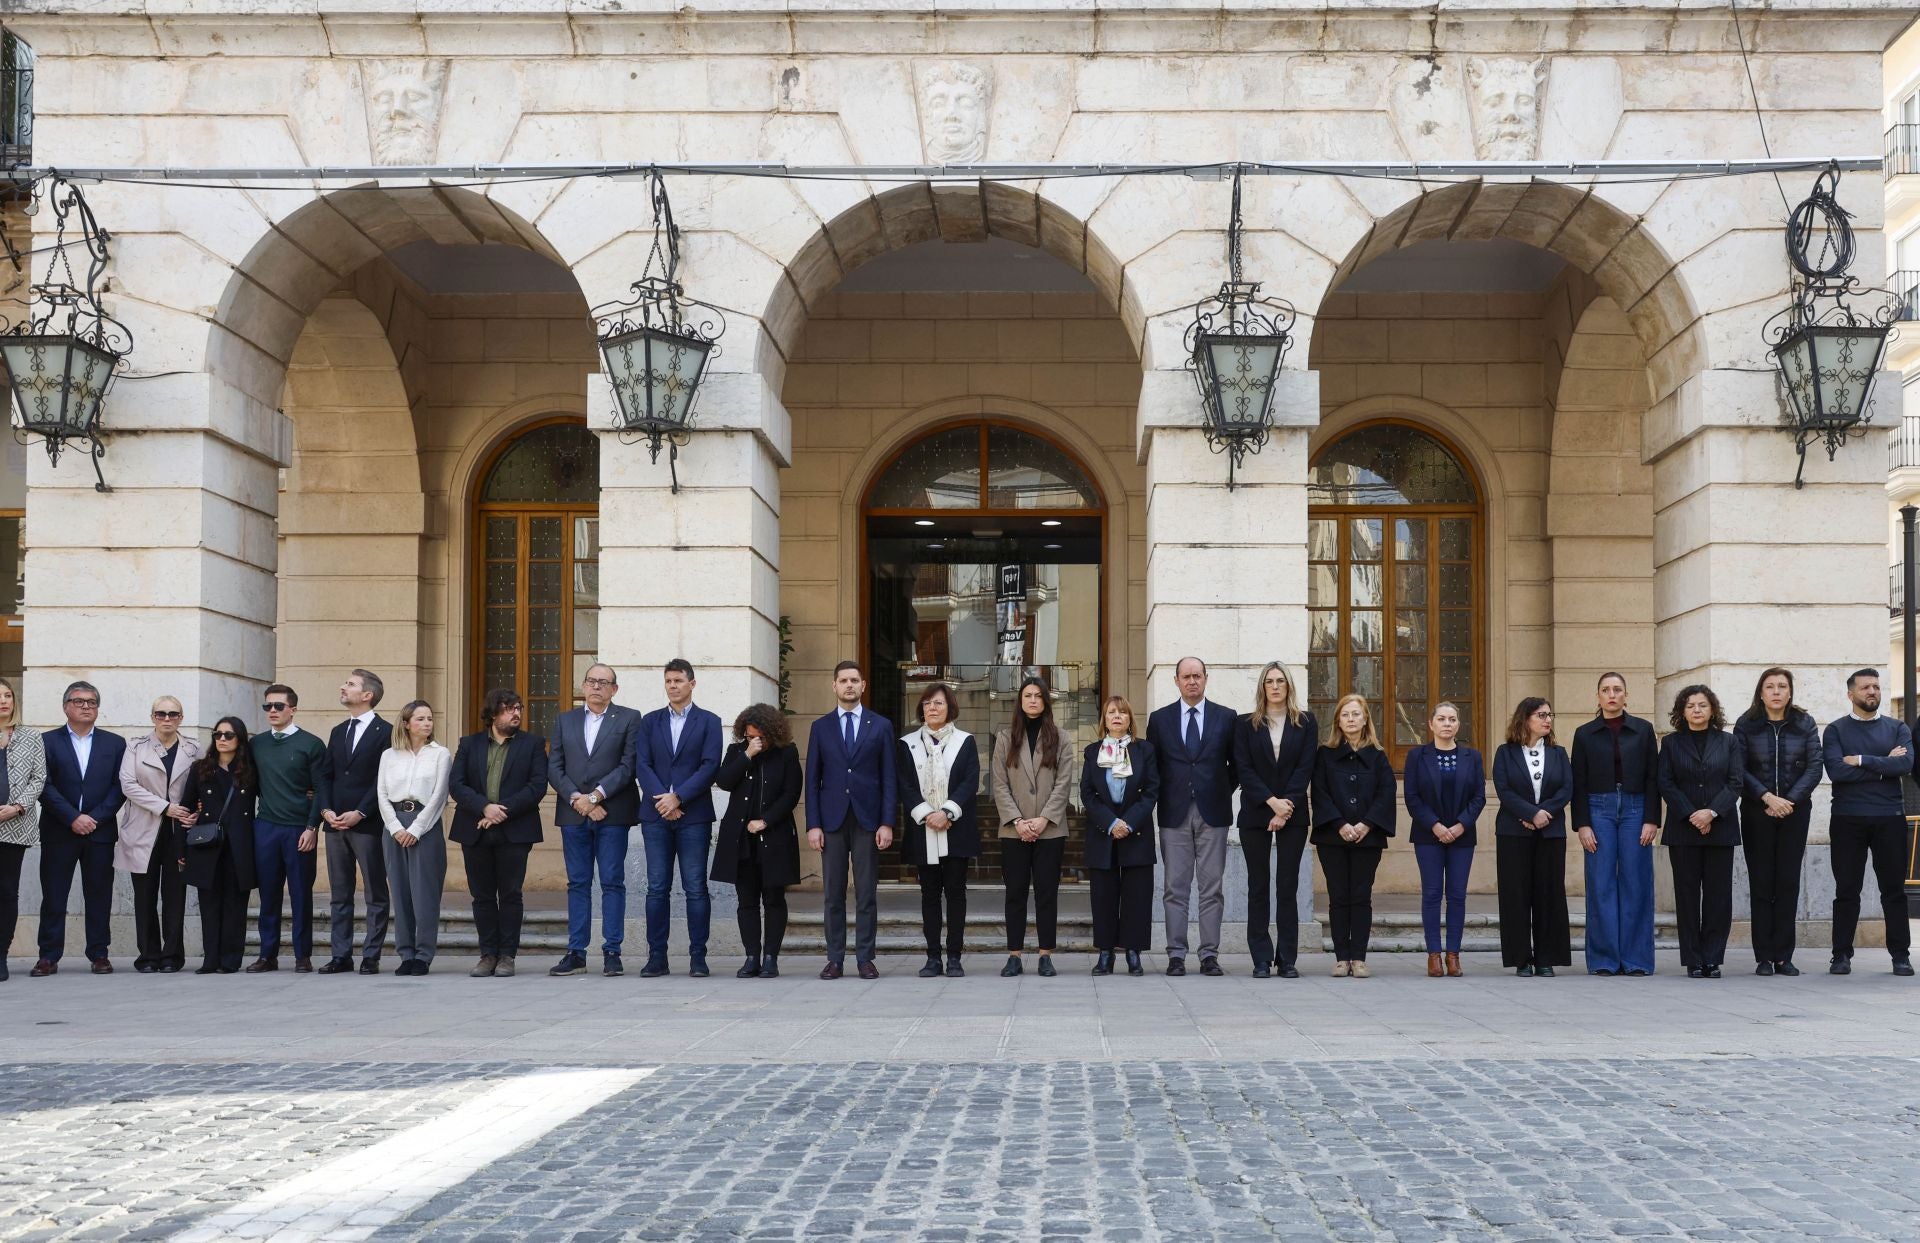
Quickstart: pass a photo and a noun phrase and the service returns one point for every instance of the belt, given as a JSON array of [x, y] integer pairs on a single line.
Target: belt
[[409, 804]]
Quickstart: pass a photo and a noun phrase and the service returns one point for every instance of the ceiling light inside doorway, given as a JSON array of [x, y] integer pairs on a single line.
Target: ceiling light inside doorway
[[923, 522], [1049, 522]]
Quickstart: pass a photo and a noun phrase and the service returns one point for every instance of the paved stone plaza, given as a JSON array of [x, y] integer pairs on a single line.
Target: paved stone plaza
[[1394, 1108]]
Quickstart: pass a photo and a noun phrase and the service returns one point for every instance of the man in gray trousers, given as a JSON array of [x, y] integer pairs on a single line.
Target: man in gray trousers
[[352, 825], [1193, 744]]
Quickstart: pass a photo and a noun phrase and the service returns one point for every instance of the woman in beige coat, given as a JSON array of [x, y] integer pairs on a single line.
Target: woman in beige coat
[[1034, 768], [153, 836], [23, 770]]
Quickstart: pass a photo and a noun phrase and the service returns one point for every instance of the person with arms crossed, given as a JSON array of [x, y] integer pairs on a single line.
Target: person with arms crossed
[[1866, 756], [852, 796]]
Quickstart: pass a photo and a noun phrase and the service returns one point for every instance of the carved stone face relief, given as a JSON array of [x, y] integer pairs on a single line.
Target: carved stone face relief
[[404, 99], [1503, 95], [953, 112]]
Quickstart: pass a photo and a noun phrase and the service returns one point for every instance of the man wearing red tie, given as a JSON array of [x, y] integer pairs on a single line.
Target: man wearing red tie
[[851, 799]]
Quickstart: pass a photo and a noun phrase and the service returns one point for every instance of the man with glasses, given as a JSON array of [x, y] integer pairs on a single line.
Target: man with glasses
[[590, 767], [295, 784], [353, 825], [78, 828]]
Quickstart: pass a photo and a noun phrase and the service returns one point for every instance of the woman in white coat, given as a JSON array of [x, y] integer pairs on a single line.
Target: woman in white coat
[[152, 846], [414, 775], [23, 769]]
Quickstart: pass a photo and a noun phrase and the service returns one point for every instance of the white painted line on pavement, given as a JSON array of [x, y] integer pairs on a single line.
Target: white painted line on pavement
[[354, 1195]]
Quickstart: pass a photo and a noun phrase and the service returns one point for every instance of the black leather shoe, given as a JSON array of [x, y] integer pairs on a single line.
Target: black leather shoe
[[868, 971], [1696, 973], [770, 967], [932, 970], [1543, 970], [369, 966], [1638, 972], [1765, 968], [697, 968], [303, 966], [208, 969], [610, 965], [1288, 972], [1840, 966], [1103, 963], [1013, 966], [655, 968], [1903, 966], [1210, 966], [1262, 971], [334, 966], [749, 970], [1525, 968], [145, 968], [1785, 968], [1176, 966], [954, 969], [411, 967], [1134, 965], [570, 964], [168, 968], [261, 964], [1046, 966], [1713, 972]]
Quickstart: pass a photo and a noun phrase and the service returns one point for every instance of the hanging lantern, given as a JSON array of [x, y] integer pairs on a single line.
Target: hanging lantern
[[657, 344]]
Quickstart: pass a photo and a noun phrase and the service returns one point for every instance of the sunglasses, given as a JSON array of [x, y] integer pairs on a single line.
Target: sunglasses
[[160, 714], [223, 735], [275, 707]]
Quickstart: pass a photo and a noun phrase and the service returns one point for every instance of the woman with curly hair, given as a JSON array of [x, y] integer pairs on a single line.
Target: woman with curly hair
[[759, 852], [1701, 772], [221, 789]]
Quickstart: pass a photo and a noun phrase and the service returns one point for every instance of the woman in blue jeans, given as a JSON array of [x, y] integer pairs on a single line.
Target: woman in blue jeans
[[1446, 790], [1616, 811]]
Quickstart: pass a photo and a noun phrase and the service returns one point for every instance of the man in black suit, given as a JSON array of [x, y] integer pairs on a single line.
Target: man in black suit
[[595, 813], [353, 823], [78, 828], [852, 797], [499, 777], [1193, 743]]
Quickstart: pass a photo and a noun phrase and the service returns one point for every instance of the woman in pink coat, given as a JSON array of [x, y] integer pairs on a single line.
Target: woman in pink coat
[[152, 845]]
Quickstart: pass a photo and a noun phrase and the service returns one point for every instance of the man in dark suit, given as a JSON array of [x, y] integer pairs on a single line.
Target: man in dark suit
[[353, 824], [1193, 742], [78, 828], [852, 793], [499, 777], [676, 752], [591, 770]]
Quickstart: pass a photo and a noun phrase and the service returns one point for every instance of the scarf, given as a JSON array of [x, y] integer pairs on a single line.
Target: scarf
[[1115, 757], [933, 783]]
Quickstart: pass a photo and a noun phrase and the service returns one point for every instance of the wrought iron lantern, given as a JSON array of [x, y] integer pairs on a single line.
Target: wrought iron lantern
[[658, 344], [62, 358], [1825, 348], [1235, 346]]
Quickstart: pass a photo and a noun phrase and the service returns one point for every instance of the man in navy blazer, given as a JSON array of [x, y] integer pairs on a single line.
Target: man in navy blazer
[[1193, 744], [78, 827], [676, 751], [852, 796], [591, 769]]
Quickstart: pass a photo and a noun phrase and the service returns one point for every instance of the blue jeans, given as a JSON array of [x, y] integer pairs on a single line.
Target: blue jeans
[[588, 845], [1443, 869], [280, 864], [688, 843], [1619, 886]]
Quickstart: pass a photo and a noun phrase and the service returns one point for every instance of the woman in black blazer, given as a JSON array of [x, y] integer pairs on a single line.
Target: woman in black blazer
[[1273, 753], [759, 852], [221, 788], [1353, 816], [1446, 790], [1701, 771], [1119, 783], [1533, 779], [939, 768]]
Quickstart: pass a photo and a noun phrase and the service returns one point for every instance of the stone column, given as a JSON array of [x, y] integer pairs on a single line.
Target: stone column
[[1227, 570], [1750, 571]]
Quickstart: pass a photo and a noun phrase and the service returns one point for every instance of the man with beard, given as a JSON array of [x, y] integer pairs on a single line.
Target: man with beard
[[1867, 756], [499, 778]]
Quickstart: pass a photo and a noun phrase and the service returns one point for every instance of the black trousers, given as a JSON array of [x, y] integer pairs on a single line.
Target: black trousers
[[855, 846], [11, 857], [1855, 840], [1273, 896], [1531, 872], [946, 879], [758, 899], [1122, 901], [1702, 902], [223, 916], [1774, 850], [1035, 866], [496, 870], [160, 907], [61, 852], [1349, 871]]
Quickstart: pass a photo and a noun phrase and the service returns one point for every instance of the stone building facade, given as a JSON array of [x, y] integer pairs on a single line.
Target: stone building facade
[[1562, 382]]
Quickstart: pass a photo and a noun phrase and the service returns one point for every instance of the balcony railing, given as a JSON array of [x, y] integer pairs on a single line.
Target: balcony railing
[[1903, 446], [1896, 587], [1906, 287], [1903, 150], [16, 100]]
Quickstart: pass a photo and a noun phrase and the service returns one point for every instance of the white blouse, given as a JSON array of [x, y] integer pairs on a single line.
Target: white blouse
[[419, 776]]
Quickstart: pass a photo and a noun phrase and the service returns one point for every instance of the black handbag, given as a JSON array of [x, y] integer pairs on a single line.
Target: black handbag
[[209, 832]]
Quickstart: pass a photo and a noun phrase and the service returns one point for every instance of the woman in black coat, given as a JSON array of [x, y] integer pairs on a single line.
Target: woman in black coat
[[1119, 783], [221, 789], [939, 770], [1273, 752], [758, 852], [1781, 746], [1534, 781], [1701, 771], [1353, 816]]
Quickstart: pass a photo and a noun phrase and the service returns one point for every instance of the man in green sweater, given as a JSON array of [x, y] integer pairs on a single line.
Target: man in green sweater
[[294, 776]]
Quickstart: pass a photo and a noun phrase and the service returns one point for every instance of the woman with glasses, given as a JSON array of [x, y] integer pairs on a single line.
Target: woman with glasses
[[221, 791], [23, 774], [152, 847], [1534, 779], [414, 776]]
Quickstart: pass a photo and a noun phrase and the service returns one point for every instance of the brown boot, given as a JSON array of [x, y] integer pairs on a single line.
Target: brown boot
[[486, 966], [1433, 966], [1453, 965], [505, 966]]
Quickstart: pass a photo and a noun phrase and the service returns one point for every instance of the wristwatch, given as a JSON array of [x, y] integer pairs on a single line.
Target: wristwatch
[[594, 798]]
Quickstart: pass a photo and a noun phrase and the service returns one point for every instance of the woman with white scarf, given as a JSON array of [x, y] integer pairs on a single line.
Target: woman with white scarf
[[939, 769], [1119, 783]]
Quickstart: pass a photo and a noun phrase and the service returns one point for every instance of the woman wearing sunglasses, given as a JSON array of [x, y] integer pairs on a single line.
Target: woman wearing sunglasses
[[151, 846], [220, 845]]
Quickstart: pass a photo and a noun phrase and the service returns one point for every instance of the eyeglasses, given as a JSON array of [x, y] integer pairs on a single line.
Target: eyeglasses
[[161, 714], [84, 703], [223, 735], [601, 682], [275, 707]]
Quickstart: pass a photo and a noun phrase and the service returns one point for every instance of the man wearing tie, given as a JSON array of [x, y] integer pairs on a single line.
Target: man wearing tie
[[294, 775], [353, 824], [1192, 743], [851, 799], [78, 829], [676, 752], [590, 767]]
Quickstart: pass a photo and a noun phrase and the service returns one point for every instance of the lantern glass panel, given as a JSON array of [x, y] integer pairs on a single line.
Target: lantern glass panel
[[1795, 358], [1847, 357], [58, 382], [1239, 372], [654, 375]]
